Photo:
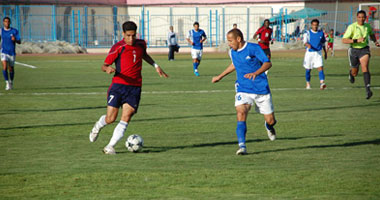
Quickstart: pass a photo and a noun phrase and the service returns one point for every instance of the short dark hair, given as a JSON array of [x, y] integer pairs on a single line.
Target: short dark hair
[[7, 18], [196, 23], [129, 26], [314, 20], [362, 12], [236, 33], [266, 20]]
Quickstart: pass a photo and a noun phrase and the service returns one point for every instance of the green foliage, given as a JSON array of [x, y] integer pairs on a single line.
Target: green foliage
[[327, 146]]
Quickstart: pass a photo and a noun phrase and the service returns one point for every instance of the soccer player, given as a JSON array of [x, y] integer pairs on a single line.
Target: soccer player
[[9, 37], [357, 35], [265, 37], [196, 37], [314, 40], [125, 89], [330, 42], [250, 63]]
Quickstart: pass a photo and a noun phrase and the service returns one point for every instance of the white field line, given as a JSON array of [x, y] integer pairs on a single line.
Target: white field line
[[165, 92], [26, 65]]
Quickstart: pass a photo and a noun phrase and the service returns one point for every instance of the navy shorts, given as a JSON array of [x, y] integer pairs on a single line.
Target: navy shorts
[[119, 94], [354, 55]]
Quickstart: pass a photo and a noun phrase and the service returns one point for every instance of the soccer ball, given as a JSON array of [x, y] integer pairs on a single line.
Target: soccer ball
[[134, 143]]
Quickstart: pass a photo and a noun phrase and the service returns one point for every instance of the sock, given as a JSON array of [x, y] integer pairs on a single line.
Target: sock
[[5, 74], [270, 127], [12, 75], [118, 133], [321, 75], [241, 130], [101, 122], [367, 79], [307, 75], [195, 66]]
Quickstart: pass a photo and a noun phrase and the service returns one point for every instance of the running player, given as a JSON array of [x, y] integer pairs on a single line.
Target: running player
[[196, 37], [125, 89], [330, 42], [265, 37], [9, 37], [252, 88], [314, 40], [357, 35]]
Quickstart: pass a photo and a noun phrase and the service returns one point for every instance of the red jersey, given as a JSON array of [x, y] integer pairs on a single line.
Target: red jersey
[[265, 35], [128, 62]]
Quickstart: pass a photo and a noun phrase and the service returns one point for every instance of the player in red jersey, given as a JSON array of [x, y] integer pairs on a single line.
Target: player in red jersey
[[265, 37], [125, 90]]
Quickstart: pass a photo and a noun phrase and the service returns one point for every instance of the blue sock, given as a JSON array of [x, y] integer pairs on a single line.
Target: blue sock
[[12, 75], [195, 65], [5, 74], [241, 130], [270, 127], [321, 75], [307, 75]]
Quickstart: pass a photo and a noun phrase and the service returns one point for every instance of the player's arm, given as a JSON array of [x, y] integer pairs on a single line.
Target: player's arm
[[263, 68], [107, 68], [373, 38], [255, 36], [204, 38], [227, 71], [305, 41], [188, 39], [324, 49], [150, 60]]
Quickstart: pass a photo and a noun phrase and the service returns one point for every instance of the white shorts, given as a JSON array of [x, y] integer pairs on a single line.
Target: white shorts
[[196, 53], [313, 59], [8, 58], [263, 102]]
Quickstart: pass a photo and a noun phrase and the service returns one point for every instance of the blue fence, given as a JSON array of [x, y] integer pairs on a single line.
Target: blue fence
[[84, 27]]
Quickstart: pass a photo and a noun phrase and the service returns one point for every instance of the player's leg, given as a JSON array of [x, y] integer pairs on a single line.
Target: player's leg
[[241, 127], [264, 105], [321, 75], [354, 64], [5, 70], [11, 64], [109, 118], [308, 66], [364, 62]]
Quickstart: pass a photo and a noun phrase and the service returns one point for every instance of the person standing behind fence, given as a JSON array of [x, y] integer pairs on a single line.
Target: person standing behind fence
[[196, 37], [357, 35], [9, 37], [172, 43]]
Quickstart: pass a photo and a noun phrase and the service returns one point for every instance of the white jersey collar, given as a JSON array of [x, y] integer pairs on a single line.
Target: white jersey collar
[[241, 49]]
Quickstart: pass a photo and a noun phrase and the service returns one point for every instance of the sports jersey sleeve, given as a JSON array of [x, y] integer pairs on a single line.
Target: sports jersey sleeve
[[259, 53], [204, 34], [348, 33], [370, 30], [258, 32], [113, 54], [189, 35], [306, 37], [16, 35]]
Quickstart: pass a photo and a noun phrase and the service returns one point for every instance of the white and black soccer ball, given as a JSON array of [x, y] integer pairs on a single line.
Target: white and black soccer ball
[[134, 143]]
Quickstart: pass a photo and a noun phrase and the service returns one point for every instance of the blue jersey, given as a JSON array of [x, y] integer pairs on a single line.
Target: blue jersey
[[315, 39], [196, 37], [247, 60], [7, 45]]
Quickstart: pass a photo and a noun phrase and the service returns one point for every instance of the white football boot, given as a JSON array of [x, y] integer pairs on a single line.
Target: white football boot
[[7, 85], [94, 133], [241, 151], [271, 133], [109, 150]]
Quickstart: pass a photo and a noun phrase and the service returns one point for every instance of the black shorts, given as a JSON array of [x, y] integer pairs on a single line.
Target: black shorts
[[119, 94], [267, 52], [354, 55]]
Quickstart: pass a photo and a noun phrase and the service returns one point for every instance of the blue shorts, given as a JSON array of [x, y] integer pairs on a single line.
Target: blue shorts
[[119, 94]]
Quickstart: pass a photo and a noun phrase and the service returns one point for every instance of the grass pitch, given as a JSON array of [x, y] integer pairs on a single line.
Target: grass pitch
[[327, 145]]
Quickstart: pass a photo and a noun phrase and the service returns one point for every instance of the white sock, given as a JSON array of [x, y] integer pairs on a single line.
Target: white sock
[[118, 133], [101, 122]]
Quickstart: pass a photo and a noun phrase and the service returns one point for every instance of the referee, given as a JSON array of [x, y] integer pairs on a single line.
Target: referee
[[357, 35]]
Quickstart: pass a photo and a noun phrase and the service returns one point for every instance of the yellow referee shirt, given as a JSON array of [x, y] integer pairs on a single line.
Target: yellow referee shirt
[[356, 31]]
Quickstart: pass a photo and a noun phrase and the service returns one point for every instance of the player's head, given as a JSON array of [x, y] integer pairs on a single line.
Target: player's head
[[196, 26], [234, 26], [235, 38], [314, 24], [6, 22], [361, 16], [266, 23], [171, 28], [129, 32], [331, 31]]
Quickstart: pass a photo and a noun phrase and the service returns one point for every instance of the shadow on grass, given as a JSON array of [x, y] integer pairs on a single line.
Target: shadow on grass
[[153, 149], [349, 144]]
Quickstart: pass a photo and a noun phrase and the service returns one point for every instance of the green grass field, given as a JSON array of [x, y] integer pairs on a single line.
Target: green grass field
[[327, 147]]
